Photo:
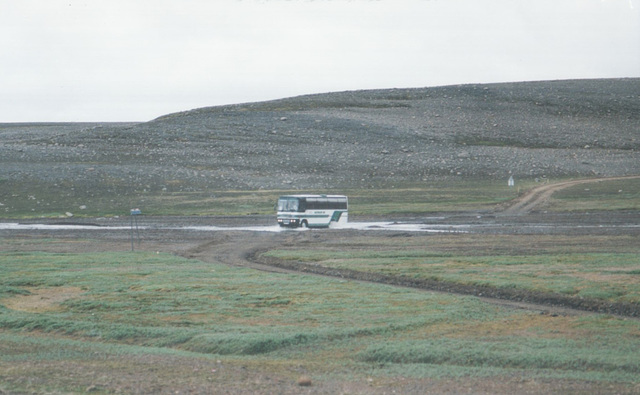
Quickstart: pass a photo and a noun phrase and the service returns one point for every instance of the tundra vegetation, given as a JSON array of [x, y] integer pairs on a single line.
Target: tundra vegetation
[[82, 313], [103, 316], [184, 323]]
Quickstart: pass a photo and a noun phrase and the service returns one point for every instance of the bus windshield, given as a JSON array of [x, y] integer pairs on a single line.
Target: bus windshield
[[288, 204]]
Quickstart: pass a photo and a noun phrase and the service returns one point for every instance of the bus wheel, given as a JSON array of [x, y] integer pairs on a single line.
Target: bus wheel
[[304, 224]]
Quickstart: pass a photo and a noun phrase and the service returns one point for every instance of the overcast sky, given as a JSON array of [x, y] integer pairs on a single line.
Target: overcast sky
[[134, 60]]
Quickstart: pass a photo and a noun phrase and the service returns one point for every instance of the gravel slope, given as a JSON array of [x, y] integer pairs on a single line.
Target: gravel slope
[[346, 139]]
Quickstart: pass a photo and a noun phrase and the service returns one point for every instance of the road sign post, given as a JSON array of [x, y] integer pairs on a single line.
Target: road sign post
[[135, 212]]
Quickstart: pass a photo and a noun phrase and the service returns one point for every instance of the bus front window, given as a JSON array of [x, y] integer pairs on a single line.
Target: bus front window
[[288, 205]]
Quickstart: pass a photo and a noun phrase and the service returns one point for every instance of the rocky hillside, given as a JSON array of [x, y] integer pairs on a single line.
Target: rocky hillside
[[348, 139]]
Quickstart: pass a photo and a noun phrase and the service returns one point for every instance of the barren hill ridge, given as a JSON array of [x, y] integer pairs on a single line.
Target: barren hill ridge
[[373, 138]]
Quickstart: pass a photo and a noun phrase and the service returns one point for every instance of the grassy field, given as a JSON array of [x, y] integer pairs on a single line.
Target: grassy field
[[22, 201], [152, 322], [608, 195], [546, 267], [111, 311]]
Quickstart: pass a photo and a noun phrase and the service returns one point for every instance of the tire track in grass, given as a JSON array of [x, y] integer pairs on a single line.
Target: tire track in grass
[[550, 303], [249, 253]]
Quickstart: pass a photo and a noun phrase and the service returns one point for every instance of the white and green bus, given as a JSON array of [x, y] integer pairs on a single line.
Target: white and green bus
[[312, 211]]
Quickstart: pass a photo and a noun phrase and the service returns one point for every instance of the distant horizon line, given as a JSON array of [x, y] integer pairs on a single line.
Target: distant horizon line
[[97, 123]]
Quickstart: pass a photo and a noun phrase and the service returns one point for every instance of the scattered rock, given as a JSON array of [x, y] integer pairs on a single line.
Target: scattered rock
[[340, 140], [304, 381]]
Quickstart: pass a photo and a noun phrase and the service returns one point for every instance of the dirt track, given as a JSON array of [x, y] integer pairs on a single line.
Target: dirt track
[[227, 251], [540, 195], [243, 248]]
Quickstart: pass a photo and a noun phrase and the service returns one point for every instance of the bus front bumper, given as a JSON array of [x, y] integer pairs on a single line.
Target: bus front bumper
[[293, 222]]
